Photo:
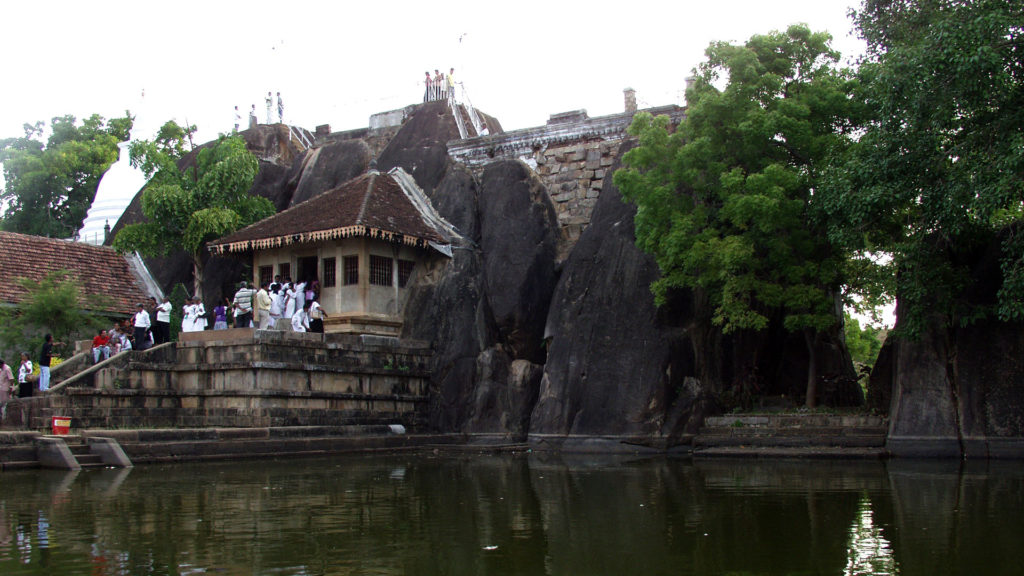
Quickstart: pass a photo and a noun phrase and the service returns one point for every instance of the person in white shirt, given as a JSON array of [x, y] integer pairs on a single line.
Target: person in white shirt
[[300, 320], [199, 322], [186, 316], [276, 306], [289, 300], [162, 328], [316, 317], [142, 326]]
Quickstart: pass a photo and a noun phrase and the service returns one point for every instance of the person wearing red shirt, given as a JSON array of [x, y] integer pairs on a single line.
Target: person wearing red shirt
[[100, 346]]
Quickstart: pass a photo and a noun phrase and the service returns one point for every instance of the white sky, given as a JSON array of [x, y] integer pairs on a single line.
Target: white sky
[[338, 62]]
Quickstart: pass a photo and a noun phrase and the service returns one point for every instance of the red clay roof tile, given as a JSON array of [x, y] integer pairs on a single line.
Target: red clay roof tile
[[99, 269]]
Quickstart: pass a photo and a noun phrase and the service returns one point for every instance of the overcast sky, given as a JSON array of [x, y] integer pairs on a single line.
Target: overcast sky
[[336, 63]]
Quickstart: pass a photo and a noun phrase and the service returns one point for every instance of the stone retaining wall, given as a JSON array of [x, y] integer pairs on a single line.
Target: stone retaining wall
[[571, 154], [248, 378]]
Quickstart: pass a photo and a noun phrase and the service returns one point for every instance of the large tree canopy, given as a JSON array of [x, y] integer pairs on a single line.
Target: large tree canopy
[[186, 208], [725, 204], [49, 187], [938, 171]]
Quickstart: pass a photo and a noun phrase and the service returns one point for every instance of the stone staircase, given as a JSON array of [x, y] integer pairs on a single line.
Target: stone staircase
[[22, 450], [775, 435], [83, 453]]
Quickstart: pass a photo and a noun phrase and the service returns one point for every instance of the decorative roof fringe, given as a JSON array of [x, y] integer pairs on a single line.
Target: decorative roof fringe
[[320, 236]]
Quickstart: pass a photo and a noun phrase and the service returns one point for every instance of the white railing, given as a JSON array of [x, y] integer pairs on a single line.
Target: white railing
[[299, 137]]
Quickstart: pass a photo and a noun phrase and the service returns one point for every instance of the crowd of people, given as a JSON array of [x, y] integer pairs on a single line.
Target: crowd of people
[[439, 86], [277, 305], [254, 119]]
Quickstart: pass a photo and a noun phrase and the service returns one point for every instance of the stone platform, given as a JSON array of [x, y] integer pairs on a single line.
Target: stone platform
[[792, 436], [243, 378]]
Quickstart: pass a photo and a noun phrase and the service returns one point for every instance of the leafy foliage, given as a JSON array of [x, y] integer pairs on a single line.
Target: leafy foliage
[[54, 305], [187, 208], [938, 171], [863, 343], [50, 187], [726, 203]]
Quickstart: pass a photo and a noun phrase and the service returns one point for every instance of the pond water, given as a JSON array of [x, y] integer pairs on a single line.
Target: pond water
[[527, 514]]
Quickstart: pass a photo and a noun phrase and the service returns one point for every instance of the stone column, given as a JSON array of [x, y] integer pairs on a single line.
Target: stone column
[[630, 95]]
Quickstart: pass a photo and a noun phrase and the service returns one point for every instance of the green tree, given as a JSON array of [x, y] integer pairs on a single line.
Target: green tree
[[53, 305], [938, 171], [863, 343], [186, 208], [50, 187], [726, 203]]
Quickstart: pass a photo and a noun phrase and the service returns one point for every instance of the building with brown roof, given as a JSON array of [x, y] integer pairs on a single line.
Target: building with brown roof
[[123, 281], [362, 241]]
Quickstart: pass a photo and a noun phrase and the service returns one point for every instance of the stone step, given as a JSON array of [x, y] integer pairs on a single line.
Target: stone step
[[89, 460], [822, 431], [853, 440]]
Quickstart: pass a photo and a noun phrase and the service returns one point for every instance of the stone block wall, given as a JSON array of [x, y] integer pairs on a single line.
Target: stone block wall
[[253, 379], [572, 154], [574, 175]]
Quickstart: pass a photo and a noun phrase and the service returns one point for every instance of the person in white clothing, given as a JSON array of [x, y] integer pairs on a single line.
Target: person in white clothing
[[141, 324], [186, 316], [289, 302], [198, 315], [316, 317], [300, 320], [162, 328]]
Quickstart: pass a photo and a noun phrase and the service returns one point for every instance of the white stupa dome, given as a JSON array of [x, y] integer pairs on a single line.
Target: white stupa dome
[[119, 184]]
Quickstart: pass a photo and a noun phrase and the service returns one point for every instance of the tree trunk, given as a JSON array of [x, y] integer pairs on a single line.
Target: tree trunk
[[197, 276], [811, 338]]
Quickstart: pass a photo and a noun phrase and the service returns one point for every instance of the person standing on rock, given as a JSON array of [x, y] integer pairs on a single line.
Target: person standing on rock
[[280, 108], [428, 84], [253, 122], [438, 84], [451, 84], [270, 106]]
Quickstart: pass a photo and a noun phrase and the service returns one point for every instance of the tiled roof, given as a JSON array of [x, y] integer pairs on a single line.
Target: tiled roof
[[99, 270], [372, 205]]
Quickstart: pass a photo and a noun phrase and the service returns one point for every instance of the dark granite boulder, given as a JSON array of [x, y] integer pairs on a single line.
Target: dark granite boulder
[[327, 167], [420, 146], [504, 394], [518, 238], [608, 362], [270, 144], [954, 391]]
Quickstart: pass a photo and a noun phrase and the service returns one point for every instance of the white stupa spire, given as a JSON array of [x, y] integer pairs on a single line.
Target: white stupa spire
[[119, 184]]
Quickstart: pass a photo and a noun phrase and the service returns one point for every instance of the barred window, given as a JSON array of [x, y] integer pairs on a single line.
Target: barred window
[[404, 272], [380, 271], [285, 270], [351, 271], [328, 278], [266, 275]]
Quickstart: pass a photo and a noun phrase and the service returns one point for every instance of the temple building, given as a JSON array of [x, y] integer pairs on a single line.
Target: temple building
[[363, 242]]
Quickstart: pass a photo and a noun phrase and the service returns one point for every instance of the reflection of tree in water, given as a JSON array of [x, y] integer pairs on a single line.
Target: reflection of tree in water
[[869, 551]]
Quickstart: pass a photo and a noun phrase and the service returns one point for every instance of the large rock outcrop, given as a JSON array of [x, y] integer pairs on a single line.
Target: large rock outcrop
[[610, 360], [521, 347], [956, 390]]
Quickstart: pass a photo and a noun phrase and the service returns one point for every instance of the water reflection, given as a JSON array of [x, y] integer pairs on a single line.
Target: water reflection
[[514, 515], [870, 552]]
